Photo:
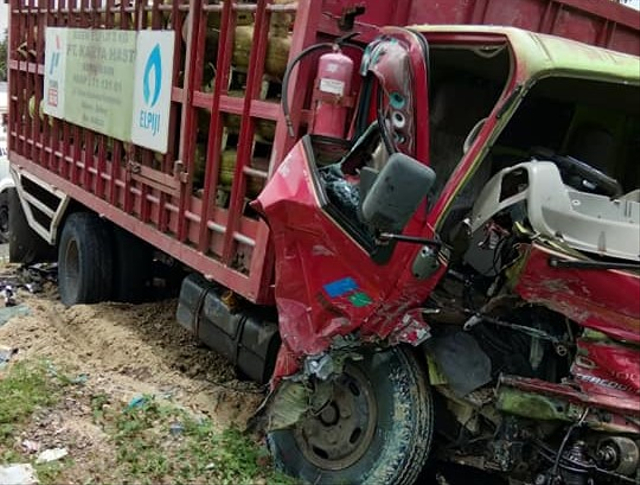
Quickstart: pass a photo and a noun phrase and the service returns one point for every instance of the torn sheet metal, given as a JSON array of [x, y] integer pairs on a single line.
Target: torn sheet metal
[[602, 299], [339, 291]]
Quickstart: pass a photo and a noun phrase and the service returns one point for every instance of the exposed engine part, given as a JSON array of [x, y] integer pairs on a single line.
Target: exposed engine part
[[577, 461], [575, 469], [561, 350], [507, 450], [536, 353], [532, 405], [533, 332], [472, 411], [578, 475], [619, 454]]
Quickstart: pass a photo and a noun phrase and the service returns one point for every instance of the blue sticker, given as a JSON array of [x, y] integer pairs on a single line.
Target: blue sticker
[[340, 287]]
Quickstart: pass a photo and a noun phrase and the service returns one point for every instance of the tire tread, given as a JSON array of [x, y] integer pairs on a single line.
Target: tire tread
[[95, 248]]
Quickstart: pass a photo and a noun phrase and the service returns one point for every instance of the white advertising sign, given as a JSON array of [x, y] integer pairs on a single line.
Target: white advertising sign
[[55, 61], [152, 89]]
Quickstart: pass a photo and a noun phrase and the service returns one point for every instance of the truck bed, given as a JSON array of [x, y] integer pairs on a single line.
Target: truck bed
[[203, 219]]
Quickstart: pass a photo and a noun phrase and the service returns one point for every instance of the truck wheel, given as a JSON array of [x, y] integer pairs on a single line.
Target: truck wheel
[[132, 269], [376, 429], [25, 245], [4, 216], [85, 260]]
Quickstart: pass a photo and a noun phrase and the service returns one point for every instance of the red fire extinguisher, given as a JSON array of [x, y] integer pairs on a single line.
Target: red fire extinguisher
[[332, 94]]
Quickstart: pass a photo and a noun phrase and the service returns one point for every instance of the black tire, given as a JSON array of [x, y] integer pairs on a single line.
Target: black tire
[[25, 245], [395, 385], [132, 269], [4, 217], [85, 260]]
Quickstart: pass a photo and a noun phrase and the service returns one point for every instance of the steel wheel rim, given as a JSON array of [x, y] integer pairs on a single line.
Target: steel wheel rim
[[338, 435]]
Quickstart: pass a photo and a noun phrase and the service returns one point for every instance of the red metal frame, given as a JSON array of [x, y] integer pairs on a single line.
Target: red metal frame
[[603, 23], [153, 196]]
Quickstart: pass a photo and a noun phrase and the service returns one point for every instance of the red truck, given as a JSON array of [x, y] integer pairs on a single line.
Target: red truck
[[425, 238]]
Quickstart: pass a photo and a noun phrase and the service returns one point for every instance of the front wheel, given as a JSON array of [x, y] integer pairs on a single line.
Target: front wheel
[[377, 428]]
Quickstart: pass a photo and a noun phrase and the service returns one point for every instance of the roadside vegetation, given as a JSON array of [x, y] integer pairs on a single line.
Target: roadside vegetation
[[25, 388], [154, 440]]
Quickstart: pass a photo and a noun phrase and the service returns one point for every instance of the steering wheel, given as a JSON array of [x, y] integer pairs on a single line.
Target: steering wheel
[[581, 176]]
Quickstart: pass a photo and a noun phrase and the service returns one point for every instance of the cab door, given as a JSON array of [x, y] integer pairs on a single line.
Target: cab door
[[329, 282]]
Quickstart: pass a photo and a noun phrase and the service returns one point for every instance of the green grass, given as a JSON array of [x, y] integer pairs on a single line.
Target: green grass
[[148, 447], [148, 452], [26, 387]]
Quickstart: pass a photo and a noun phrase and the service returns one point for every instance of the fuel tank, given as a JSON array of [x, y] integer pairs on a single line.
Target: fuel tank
[[246, 335]]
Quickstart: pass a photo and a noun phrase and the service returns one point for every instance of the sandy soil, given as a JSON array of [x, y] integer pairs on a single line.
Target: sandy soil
[[124, 351]]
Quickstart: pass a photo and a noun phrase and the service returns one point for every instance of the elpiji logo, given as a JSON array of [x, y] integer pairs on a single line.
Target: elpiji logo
[[151, 86]]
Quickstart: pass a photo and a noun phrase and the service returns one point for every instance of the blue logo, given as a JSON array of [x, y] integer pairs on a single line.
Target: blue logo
[[154, 63], [55, 59]]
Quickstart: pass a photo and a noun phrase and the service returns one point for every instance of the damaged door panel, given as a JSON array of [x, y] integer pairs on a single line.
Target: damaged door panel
[[602, 299]]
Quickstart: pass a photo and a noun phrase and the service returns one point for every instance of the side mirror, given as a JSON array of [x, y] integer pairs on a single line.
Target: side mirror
[[396, 193]]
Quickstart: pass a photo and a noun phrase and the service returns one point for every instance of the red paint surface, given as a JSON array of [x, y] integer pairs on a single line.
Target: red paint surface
[[598, 22], [397, 60], [608, 369], [605, 300], [194, 230], [607, 373], [312, 251]]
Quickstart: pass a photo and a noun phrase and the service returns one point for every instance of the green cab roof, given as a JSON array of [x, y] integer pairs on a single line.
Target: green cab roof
[[543, 54]]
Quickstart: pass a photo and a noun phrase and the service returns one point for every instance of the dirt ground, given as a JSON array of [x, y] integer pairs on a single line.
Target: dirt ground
[[119, 351]]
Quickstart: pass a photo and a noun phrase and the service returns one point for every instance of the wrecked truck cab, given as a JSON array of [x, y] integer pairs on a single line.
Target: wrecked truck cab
[[504, 300]]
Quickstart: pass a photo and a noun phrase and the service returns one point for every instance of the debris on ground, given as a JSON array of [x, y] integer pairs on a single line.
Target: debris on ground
[[52, 454], [32, 278], [136, 401], [8, 312], [79, 368], [30, 446], [9, 296], [176, 428], [19, 474], [6, 354]]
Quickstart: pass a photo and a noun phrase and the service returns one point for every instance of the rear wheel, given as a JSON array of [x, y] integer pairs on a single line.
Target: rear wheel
[[376, 428], [4, 217], [25, 245], [85, 260], [133, 258]]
